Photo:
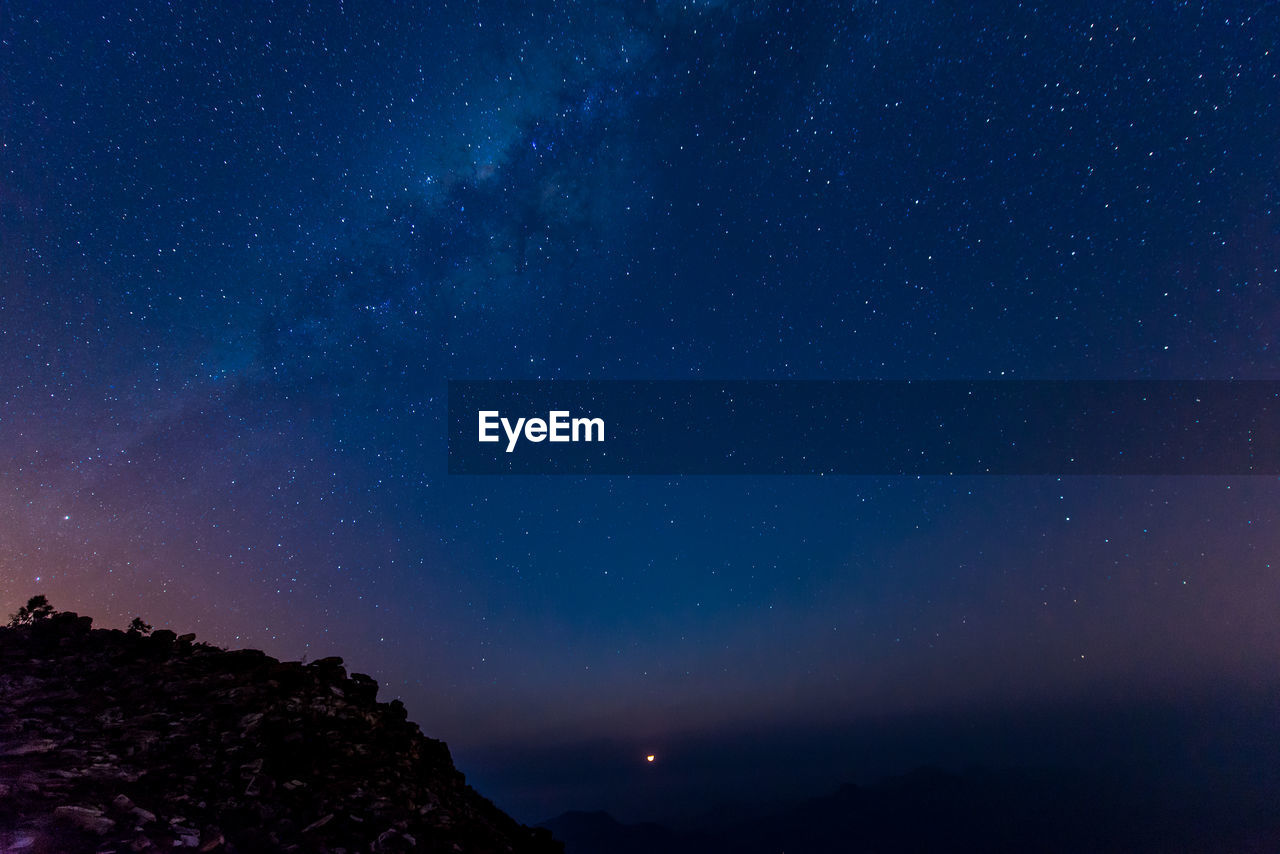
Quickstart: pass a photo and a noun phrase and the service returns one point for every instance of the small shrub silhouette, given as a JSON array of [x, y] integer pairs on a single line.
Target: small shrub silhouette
[[36, 609]]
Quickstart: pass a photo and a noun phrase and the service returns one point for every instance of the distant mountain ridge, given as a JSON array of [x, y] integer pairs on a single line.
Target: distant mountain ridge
[[931, 810], [116, 741]]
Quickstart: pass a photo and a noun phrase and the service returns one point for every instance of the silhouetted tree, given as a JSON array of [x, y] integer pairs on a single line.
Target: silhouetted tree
[[36, 609], [138, 627]]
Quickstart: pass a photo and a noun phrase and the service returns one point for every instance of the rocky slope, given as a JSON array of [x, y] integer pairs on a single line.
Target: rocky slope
[[114, 741]]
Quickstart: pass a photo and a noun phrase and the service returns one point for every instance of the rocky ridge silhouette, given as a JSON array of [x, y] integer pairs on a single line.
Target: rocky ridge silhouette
[[114, 741]]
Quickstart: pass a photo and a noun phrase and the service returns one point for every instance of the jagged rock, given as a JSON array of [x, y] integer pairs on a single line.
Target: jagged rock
[[119, 742], [362, 688], [87, 818], [21, 842], [38, 745], [318, 823]]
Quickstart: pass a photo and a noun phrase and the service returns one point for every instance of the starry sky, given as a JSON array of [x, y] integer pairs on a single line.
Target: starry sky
[[243, 248]]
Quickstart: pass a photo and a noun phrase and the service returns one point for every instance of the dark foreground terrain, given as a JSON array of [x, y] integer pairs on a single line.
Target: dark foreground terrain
[[930, 810], [122, 742]]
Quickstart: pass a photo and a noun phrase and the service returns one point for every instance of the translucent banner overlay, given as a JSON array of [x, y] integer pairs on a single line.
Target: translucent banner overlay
[[927, 427]]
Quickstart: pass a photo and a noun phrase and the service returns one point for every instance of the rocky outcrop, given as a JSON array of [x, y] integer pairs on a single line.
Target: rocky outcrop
[[119, 742]]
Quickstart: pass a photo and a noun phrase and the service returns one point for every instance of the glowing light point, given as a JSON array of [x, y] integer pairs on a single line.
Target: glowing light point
[[649, 758]]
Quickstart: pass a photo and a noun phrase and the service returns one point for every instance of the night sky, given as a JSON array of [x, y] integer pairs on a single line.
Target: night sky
[[243, 249]]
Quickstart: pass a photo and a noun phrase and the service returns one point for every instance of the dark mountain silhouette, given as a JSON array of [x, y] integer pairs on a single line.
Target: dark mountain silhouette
[[119, 741], [599, 831], [930, 810]]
